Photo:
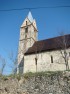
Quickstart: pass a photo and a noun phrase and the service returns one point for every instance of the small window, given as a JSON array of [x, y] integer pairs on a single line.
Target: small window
[[35, 61], [26, 30], [26, 22], [51, 59]]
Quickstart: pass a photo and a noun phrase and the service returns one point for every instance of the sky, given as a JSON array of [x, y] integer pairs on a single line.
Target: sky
[[50, 21]]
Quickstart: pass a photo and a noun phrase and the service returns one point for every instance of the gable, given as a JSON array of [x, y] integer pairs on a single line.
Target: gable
[[24, 23]]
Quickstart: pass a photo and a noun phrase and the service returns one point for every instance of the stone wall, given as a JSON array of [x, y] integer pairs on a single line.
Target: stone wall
[[51, 83], [27, 39], [44, 62]]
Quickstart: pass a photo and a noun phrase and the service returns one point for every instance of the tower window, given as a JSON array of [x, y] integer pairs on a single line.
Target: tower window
[[26, 22], [51, 59], [26, 30], [36, 61]]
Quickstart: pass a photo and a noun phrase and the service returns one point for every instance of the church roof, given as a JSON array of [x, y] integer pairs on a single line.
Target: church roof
[[51, 44]]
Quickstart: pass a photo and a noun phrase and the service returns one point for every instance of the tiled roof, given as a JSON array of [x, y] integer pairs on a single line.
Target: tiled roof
[[51, 44]]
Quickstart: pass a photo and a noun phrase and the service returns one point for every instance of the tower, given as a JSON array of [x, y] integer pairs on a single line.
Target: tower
[[28, 35]]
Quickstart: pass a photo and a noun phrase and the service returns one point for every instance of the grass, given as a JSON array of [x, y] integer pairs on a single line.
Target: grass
[[4, 77], [46, 73], [30, 74]]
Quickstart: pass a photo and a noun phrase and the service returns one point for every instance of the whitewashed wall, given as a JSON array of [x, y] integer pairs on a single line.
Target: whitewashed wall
[[44, 62]]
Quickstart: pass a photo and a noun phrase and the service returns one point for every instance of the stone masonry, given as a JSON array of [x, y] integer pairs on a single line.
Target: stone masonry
[[51, 83]]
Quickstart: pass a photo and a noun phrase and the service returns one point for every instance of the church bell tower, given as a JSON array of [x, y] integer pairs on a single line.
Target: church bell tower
[[28, 36]]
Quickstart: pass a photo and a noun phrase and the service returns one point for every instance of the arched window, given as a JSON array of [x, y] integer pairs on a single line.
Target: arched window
[[51, 59], [26, 30], [25, 36], [26, 22], [35, 61]]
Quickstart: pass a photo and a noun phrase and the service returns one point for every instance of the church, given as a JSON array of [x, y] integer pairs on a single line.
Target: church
[[45, 55]]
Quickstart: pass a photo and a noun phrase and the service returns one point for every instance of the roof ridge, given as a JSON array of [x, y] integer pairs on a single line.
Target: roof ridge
[[53, 37]]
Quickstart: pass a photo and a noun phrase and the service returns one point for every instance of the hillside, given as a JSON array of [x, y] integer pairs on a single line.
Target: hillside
[[38, 83]]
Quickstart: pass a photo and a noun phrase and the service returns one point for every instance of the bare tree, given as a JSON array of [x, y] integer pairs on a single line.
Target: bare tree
[[63, 43], [13, 59], [3, 64]]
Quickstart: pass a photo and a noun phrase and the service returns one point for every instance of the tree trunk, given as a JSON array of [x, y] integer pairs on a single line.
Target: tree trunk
[[67, 66]]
